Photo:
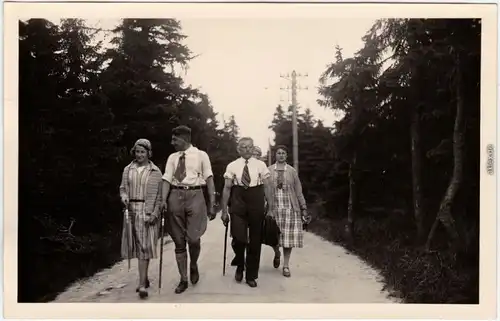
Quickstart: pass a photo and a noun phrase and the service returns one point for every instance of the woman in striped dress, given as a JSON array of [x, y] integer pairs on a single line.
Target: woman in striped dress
[[290, 207], [140, 192]]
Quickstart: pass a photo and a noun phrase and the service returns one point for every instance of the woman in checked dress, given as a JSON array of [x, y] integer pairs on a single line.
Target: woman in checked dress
[[140, 192], [291, 208]]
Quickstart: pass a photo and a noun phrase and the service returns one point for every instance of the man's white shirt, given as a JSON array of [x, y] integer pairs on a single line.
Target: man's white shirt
[[258, 171], [198, 167]]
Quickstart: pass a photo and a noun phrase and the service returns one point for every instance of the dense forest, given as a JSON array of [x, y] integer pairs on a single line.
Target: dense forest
[[82, 105], [396, 179]]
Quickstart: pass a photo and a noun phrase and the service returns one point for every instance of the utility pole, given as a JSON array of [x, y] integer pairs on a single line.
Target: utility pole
[[269, 157], [294, 89]]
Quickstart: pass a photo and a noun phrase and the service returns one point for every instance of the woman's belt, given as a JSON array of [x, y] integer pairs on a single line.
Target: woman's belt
[[186, 187], [136, 201]]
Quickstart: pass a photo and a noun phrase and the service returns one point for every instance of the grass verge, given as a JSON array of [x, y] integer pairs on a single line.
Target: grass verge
[[386, 243]]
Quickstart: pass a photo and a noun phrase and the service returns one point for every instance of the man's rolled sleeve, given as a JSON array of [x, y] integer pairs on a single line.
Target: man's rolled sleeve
[[264, 171], [206, 166], [229, 174], [169, 170]]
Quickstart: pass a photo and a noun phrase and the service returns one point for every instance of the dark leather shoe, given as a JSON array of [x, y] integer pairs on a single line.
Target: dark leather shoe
[[238, 276], [252, 283], [183, 285], [276, 261], [143, 293], [195, 275]]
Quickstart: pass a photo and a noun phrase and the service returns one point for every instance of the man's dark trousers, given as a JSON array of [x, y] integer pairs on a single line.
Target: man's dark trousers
[[247, 214]]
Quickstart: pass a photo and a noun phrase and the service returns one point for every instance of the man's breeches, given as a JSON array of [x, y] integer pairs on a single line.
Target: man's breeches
[[187, 220]]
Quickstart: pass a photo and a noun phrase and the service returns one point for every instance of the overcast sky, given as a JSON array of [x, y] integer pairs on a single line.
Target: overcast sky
[[239, 58]]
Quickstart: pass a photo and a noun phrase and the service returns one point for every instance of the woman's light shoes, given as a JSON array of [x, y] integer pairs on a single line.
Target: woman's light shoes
[[147, 286]]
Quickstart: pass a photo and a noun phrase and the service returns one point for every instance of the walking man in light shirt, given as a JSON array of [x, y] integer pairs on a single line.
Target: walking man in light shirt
[[247, 184], [185, 173]]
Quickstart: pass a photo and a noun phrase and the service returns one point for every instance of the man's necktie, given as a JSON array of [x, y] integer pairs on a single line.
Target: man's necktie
[[180, 171], [245, 178]]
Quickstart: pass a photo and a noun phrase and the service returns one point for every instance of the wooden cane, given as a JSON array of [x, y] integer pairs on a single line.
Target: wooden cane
[[162, 224], [129, 234], [225, 250]]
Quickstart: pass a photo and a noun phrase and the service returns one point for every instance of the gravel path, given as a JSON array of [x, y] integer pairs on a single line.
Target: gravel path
[[322, 272]]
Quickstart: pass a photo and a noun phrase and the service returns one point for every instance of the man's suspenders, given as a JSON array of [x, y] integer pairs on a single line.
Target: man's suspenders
[[199, 168], [259, 180]]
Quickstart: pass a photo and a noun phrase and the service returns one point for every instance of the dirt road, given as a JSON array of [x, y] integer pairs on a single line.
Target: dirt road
[[321, 273]]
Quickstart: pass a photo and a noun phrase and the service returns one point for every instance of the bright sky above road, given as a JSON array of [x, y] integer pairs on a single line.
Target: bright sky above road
[[240, 58], [240, 61]]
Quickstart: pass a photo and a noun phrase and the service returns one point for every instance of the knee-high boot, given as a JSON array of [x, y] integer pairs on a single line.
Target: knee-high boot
[[181, 259], [194, 254]]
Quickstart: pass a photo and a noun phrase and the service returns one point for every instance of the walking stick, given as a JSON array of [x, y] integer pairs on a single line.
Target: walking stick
[[162, 224], [225, 249], [129, 234]]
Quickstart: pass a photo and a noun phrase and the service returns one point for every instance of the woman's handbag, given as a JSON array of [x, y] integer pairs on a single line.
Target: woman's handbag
[[270, 231]]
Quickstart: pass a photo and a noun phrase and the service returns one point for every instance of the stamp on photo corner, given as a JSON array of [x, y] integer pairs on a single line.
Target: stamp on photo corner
[[490, 159]]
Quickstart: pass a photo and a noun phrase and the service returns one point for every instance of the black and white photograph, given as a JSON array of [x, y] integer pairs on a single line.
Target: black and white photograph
[[222, 158]]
